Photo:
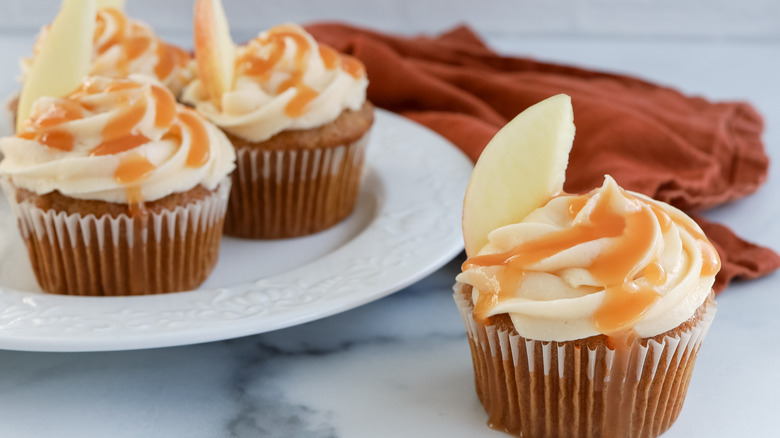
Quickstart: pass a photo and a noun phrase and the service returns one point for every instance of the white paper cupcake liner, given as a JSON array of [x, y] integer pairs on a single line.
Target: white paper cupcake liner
[[288, 193], [155, 252], [582, 388]]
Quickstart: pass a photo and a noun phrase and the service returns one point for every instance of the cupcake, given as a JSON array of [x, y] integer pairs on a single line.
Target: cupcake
[[297, 115], [585, 312], [124, 46], [118, 190]]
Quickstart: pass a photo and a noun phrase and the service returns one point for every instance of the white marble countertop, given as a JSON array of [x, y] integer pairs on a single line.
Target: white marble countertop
[[400, 366]]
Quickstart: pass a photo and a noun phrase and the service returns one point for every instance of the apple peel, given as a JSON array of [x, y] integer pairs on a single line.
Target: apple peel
[[214, 49], [64, 58], [520, 169]]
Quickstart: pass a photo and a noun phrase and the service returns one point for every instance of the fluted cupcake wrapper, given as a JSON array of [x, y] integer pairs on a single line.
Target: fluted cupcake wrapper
[[168, 251], [293, 192], [583, 389]]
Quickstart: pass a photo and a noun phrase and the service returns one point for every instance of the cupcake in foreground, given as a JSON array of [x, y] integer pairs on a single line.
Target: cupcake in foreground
[[118, 190], [123, 46], [584, 312], [298, 117]]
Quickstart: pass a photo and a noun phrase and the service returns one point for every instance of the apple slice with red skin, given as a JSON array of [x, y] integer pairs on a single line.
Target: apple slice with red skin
[[521, 168], [214, 49]]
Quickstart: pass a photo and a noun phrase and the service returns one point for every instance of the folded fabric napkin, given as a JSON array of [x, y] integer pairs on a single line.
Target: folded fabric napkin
[[683, 150]]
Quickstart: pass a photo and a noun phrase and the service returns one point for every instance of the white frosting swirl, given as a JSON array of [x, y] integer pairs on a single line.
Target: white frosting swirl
[[559, 295], [123, 46], [259, 105], [82, 173]]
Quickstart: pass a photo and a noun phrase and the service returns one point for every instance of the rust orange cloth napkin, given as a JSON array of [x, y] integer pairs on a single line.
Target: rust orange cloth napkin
[[683, 150]]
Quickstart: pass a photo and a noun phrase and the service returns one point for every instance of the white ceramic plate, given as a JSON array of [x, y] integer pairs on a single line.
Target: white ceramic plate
[[405, 226]]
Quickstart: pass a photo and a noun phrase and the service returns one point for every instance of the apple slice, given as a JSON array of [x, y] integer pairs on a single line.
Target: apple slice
[[64, 57], [214, 49], [521, 168], [115, 4]]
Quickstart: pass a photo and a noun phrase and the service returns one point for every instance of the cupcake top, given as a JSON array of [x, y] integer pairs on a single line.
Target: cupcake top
[[123, 46], [283, 81], [116, 140], [605, 262]]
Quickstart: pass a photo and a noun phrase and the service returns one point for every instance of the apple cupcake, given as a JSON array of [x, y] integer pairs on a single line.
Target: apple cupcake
[[124, 46], [118, 190], [584, 313], [297, 114]]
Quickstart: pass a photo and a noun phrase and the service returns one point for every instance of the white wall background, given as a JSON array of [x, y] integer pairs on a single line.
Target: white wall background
[[739, 19]]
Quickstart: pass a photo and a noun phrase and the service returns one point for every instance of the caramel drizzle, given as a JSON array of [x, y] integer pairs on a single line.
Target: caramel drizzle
[[625, 301], [274, 43], [198, 154], [135, 40], [120, 132]]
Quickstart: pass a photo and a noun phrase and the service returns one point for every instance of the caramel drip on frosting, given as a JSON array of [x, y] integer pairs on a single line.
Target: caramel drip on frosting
[[135, 45], [169, 57], [330, 57], [119, 21], [42, 126], [61, 140], [352, 66], [625, 301], [199, 138], [119, 135], [134, 40], [133, 168], [269, 50], [165, 107]]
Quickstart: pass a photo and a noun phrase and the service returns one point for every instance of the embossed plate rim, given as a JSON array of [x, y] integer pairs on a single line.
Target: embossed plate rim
[[406, 240]]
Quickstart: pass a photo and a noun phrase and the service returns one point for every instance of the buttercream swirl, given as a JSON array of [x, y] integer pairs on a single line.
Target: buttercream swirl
[[123, 46], [606, 262], [116, 140], [284, 80]]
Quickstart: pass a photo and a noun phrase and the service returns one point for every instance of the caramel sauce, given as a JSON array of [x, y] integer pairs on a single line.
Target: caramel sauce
[[119, 144], [42, 126], [710, 258], [298, 105], [577, 204], [281, 32], [58, 114], [115, 86], [165, 107], [118, 135], [330, 58], [199, 139], [624, 302], [352, 66], [135, 40], [135, 200], [260, 67], [173, 135], [168, 57], [121, 23], [133, 168], [135, 46], [61, 140], [655, 273]]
